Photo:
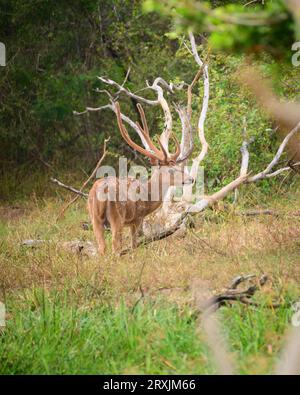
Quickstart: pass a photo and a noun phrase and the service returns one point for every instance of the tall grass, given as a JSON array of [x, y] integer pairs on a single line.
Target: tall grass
[[55, 337], [74, 314], [50, 334]]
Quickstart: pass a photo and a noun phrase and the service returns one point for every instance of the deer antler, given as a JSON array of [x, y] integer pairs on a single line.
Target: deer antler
[[129, 141], [157, 155], [145, 132]]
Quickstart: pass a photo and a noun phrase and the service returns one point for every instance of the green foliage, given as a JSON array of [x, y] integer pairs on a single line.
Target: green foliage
[[229, 106], [234, 26], [57, 50]]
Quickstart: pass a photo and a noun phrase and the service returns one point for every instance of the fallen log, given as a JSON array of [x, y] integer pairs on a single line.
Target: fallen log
[[233, 294]]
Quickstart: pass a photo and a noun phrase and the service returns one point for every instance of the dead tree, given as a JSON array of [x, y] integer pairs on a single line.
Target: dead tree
[[173, 214]]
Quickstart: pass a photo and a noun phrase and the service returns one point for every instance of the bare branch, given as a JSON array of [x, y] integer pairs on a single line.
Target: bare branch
[[202, 117], [91, 109], [166, 134], [267, 172], [157, 87], [126, 76], [187, 140], [194, 49], [233, 294], [64, 209], [121, 89], [68, 187], [245, 158], [244, 151]]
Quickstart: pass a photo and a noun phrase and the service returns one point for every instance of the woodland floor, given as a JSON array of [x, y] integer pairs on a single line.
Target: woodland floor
[[68, 313]]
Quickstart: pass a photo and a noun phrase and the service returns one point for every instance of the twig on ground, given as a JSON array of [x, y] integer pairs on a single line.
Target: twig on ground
[[251, 213], [212, 248], [140, 287]]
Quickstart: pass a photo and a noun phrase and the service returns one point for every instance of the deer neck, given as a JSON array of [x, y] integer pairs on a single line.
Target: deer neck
[[157, 190]]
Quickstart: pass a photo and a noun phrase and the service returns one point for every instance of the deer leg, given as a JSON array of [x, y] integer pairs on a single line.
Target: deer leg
[[97, 215], [140, 231], [116, 238], [135, 232], [98, 226]]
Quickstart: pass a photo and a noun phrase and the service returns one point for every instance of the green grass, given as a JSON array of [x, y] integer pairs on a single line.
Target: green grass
[[49, 334], [56, 337], [256, 335]]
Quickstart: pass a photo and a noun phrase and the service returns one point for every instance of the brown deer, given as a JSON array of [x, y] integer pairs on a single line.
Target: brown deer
[[168, 171]]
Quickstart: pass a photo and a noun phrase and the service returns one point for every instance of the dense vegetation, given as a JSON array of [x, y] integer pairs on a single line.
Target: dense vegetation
[[56, 50]]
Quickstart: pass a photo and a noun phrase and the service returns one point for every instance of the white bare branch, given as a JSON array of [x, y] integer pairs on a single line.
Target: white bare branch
[[194, 49], [204, 109], [244, 177], [157, 87], [244, 151], [186, 132], [200, 127], [165, 135], [245, 158], [208, 201], [267, 172], [282, 170], [121, 89]]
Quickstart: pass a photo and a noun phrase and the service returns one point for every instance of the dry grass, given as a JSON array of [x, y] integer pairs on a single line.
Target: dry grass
[[43, 283], [219, 248]]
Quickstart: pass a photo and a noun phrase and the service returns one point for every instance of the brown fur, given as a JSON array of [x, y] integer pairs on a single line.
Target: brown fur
[[129, 213]]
